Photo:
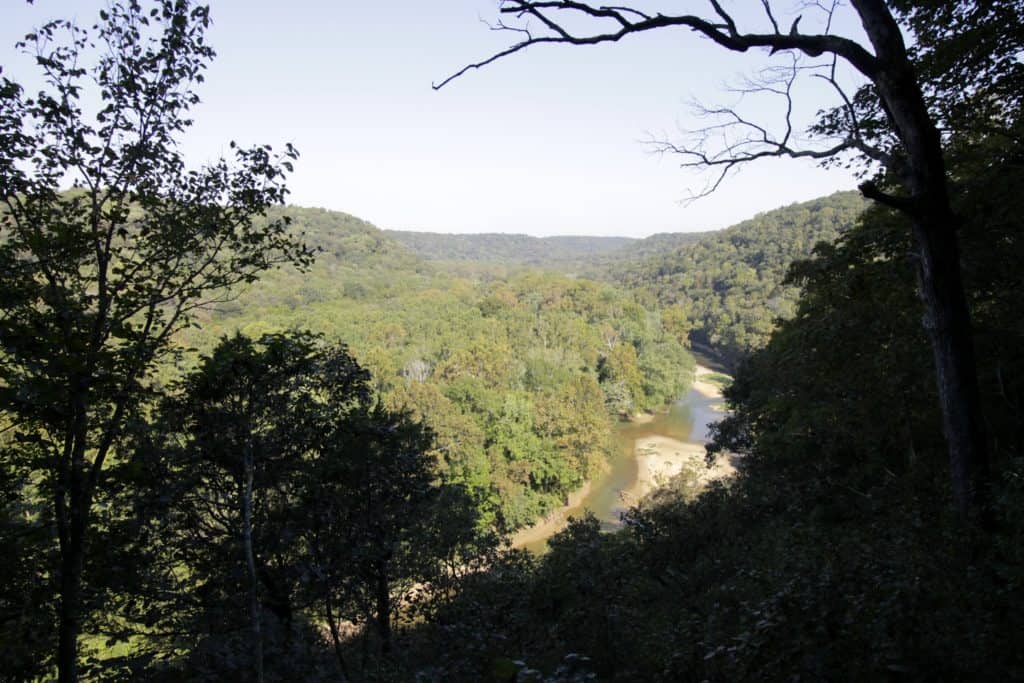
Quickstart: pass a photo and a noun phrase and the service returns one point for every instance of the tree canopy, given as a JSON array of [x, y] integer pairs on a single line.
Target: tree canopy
[[228, 453], [97, 281]]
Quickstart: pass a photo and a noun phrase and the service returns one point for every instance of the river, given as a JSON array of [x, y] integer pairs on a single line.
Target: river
[[665, 440]]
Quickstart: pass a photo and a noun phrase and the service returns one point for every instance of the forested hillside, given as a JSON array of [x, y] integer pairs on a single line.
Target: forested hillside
[[727, 285], [837, 552], [520, 377], [246, 441], [730, 284], [658, 244], [513, 250], [578, 254]]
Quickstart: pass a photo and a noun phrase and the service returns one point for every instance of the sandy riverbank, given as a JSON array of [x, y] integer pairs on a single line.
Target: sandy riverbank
[[703, 387], [553, 522], [658, 458]]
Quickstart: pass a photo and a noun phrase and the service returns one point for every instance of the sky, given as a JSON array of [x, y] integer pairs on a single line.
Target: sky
[[545, 142]]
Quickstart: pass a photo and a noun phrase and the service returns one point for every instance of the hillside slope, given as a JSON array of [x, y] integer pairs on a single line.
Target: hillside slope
[[726, 287], [729, 285], [586, 255], [520, 376]]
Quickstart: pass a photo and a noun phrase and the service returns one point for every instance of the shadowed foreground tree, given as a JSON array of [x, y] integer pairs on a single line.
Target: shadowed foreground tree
[[281, 507], [241, 433], [379, 527], [912, 106], [95, 281]]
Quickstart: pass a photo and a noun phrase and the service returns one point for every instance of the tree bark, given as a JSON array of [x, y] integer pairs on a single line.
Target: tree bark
[[384, 612], [73, 501], [72, 560], [250, 563], [947, 318], [947, 322], [336, 640]]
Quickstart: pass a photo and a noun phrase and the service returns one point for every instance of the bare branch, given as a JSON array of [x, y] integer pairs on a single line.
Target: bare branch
[[731, 140], [771, 17], [853, 121], [629, 10], [827, 8], [729, 23], [722, 31]]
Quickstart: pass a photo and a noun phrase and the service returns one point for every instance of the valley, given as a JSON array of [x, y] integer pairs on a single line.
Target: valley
[[518, 367], [243, 438]]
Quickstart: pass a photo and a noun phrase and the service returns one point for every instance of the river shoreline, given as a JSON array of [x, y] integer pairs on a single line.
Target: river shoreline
[[553, 522], [658, 458]]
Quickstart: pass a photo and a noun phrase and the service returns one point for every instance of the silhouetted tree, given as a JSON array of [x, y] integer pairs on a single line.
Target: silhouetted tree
[[243, 430], [95, 281], [379, 525]]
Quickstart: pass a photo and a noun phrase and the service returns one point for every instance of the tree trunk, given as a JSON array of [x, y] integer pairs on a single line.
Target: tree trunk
[[73, 500], [930, 210], [384, 612], [336, 640], [948, 324], [250, 563], [72, 557]]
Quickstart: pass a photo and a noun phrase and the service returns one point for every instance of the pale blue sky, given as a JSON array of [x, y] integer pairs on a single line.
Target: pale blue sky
[[544, 142]]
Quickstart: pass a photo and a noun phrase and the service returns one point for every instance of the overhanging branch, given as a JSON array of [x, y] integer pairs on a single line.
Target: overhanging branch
[[723, 31]]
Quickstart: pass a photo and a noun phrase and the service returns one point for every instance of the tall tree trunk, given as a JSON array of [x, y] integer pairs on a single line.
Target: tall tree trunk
[[250, 563], [336, 639], [73, 501], [384, 611], [935, 224], [72, 560], [948, 324]]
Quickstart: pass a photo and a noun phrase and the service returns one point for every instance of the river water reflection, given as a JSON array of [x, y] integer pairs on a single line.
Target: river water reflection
[[686, 420]]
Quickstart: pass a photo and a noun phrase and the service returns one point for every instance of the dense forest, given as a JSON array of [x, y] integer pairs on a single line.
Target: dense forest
[[242, 440], [731, 285], [520, 376], [578, 254], [505, 249], [727, 287]]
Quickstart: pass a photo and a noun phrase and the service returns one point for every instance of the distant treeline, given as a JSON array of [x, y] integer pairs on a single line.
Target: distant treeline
[[727, 284], [510, 249]]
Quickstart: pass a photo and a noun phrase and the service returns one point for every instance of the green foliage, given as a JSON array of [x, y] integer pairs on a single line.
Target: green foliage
[[507, 249], [377, 524], [227, 451], [730, 284], [96, 281], [621, 370], [724, 290], [512, 372], [27, 608], [272, 496], [279, 500], [586, 255], [836, 553]]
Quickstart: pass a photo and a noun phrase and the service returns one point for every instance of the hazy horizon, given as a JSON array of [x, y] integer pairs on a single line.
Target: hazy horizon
[[554, 235], [544, 142]]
